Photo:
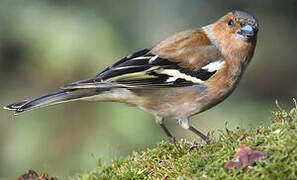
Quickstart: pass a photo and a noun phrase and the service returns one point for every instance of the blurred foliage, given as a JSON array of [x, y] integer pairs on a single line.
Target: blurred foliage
[[45, 44]]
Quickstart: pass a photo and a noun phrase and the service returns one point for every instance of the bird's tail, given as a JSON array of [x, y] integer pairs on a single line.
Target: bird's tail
[[51, 99]]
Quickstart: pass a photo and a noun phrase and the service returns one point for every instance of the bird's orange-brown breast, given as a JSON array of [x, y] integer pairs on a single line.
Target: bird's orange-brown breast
[[237, 54]]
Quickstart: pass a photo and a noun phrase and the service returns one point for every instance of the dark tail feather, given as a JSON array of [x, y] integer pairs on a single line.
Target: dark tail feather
[[15, 106], [47, 100]]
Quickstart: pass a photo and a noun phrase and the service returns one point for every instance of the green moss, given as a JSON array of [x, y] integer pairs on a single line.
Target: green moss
[[174, 161]]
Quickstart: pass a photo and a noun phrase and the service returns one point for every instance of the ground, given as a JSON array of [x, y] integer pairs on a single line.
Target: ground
[[277, 138]]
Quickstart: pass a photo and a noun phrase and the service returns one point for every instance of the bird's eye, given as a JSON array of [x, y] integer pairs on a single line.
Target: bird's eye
[[230, 22]]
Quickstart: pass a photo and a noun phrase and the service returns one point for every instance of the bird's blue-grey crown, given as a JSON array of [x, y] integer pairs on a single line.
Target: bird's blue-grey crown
[[246, 18]]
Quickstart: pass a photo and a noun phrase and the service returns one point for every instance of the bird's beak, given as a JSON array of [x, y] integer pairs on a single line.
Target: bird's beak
[[248, 31]]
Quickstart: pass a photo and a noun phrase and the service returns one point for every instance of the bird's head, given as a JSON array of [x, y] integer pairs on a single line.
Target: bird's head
[[245, 26], [236, 33]]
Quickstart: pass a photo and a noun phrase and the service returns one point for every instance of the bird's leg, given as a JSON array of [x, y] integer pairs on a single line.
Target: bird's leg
[[160, 120], [200, 134], [184, 122], [171, 138]]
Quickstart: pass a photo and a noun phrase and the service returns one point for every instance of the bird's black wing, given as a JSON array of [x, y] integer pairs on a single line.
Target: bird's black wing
[[144, 70]]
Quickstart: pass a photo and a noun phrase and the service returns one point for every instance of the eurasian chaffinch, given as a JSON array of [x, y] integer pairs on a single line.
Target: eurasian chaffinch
[[183, 75]]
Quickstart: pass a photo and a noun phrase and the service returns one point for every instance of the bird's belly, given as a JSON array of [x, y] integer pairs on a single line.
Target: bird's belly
[[175, 102], [184, 102], [178, 109]]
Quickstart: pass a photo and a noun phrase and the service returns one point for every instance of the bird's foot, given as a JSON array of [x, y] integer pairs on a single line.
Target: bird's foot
[[199, 145], [172, 139]]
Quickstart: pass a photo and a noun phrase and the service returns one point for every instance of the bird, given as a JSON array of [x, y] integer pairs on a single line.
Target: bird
[[186, 74]]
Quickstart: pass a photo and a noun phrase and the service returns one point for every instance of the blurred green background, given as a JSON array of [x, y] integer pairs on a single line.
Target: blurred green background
[[45, 44]]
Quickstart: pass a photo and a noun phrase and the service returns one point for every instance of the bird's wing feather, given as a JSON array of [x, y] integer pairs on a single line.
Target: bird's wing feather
[[157, 67]]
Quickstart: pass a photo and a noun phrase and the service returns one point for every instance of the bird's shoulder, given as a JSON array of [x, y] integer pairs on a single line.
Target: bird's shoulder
[[191, 49]]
